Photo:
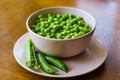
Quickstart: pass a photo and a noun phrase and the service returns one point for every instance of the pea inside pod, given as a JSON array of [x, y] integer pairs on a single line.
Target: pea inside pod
[[36, 60], [30, 56]]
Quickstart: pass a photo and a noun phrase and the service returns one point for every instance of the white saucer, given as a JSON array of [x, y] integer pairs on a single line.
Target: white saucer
[[81, 64]]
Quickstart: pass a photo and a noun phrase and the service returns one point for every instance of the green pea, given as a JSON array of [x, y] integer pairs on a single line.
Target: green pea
[[87, 26], [37, 29], [81, 33], [45, 30], [64, 17], [81, 28], [55, 19], [79, 18], [67, 36], [73, 37], [68, 20], [63, 33], [86, 30], [41, 19], [49, 15], [57, 23], [38, 24], [48, 36], [39, 16], [82, 23], [73, 20], [76, 35], [56, 27], [60, 19], [58, 15], [52, 24], [53, 31], [42, 30], [42, 23], [52, 35], [63, 23], [68, 24], [41, 34], [72, 30], [79, 22], [70, 16], [59, 36]]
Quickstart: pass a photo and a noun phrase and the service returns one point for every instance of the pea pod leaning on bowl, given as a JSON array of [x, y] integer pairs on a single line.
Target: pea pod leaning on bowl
[[33, 60], [30, 56]]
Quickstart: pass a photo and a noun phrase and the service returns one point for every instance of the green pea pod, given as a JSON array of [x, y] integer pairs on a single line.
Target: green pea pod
[[30, 56], [56, 62], [44, 64]]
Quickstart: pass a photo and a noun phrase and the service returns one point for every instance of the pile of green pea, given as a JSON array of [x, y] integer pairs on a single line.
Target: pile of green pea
[[60, 26]]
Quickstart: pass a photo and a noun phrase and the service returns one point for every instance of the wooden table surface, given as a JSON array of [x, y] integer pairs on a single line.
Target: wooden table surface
[[13, 15]]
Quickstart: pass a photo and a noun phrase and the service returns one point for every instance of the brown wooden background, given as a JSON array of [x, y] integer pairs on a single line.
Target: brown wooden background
[[13, 15]]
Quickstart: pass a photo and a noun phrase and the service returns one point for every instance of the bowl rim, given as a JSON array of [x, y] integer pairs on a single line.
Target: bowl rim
[[53, 39]]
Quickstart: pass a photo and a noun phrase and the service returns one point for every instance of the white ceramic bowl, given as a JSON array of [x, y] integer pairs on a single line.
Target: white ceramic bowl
[[56, 47]]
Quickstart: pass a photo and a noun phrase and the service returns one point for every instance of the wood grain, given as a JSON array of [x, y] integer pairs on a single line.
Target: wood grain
[[13, 15]]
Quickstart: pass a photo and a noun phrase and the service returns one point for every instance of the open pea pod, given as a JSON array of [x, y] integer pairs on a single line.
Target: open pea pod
[[30, 56]]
